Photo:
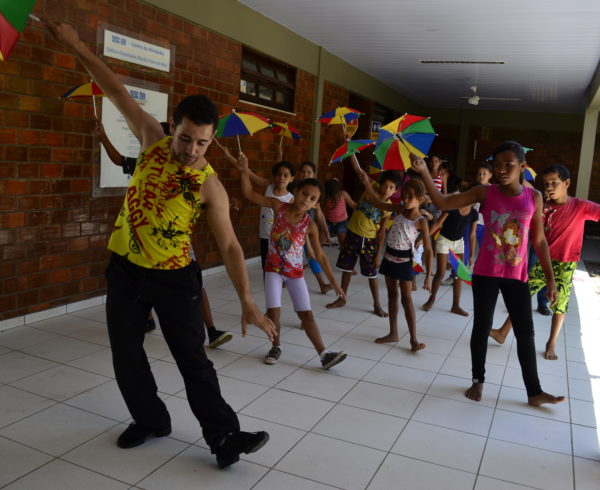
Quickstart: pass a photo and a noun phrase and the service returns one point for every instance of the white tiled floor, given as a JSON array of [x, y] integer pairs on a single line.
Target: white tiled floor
[[385, 418]]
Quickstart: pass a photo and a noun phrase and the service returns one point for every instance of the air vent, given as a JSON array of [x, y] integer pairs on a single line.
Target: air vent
[[458, 62]]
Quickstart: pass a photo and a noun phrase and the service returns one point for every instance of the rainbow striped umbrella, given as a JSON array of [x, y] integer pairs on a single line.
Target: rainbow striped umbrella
[[84, 90], [403, 136], [462, 271], [375, 169], [238, 123], [350, 148], [340, 115], [13, 16], [90, 89], [284, 129]]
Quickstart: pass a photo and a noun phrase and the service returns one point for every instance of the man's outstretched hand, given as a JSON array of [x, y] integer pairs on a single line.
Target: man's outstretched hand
[[251, 314]]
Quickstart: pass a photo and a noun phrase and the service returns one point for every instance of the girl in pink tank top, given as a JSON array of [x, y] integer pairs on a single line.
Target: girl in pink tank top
[[336, 200], [510, 211]]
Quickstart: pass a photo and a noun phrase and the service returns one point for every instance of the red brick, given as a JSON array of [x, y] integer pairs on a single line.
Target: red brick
[[15, 186], [50, 262], [38, 280], [29, 170], [52, 139], [7, 203], [12, 252], [39, 154], [58, 276]]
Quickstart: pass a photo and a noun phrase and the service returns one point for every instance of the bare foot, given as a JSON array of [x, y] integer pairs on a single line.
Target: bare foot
[[378, 310], [497, 335], [459, 311], [387, 339], [474, 392], [325, 288], [338, 303], [416, 345], [427, 306], [543, 398], [550, 353]]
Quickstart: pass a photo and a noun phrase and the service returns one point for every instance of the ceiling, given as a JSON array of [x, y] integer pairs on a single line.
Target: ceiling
[[550, 48]]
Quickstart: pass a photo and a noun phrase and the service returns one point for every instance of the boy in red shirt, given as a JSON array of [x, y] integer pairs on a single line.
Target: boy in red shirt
[[564, 220]]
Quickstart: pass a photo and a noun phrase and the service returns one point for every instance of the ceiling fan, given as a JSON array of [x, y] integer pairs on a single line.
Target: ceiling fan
[[474, 98]]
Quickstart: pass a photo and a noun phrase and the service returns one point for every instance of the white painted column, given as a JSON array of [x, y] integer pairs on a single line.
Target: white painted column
[[586, 156]]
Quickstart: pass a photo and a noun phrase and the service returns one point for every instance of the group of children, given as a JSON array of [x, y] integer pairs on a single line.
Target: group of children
[[498, 220]]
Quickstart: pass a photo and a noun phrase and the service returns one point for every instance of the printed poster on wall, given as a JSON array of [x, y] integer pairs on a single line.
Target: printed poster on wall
[[115, 126]]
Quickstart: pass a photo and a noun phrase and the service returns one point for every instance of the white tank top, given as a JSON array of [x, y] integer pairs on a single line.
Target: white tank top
[[266, 214]]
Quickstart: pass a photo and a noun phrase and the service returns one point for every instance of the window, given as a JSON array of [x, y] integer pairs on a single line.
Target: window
[[267, 82]]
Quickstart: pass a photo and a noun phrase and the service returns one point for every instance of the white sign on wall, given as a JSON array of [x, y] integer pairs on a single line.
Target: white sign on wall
[[115, 126], [127, 48]]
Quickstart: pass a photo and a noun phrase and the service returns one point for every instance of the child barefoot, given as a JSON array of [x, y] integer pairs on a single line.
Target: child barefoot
[[284, 261], [453, 223], [564, 219], [509, 211], [397, 263], [366, 231]]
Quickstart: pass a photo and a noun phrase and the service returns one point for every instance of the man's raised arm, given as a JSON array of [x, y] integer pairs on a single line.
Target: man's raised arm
[[146, 129]]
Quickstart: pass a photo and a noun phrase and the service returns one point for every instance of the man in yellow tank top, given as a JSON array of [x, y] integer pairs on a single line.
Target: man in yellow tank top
[[151, 265]]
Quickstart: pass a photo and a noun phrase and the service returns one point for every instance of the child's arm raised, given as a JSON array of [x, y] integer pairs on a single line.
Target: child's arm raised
[[256, 180], [372, 195], [540, 246], [446, 201], [249, 193], [321, 258], [423, 227]]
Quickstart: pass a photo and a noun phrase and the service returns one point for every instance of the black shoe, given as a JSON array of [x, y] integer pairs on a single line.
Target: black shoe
[[232, 445], [544, 310], [136, 434], [218, 337], [150, 325], [330, 359]]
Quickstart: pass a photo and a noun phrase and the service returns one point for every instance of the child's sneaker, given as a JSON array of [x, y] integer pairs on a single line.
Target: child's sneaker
[[218, 337], [273, 355], [330, 359]]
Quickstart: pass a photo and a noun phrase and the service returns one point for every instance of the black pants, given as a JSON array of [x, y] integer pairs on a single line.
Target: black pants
[[518, 302], [175, 296]]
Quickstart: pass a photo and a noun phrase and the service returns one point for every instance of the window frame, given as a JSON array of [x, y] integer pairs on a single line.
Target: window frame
[[266, 81]]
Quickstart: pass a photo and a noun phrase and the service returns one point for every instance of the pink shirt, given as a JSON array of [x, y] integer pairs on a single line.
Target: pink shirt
[[285, 254], [336, 212], [503, 252], [564, 224]]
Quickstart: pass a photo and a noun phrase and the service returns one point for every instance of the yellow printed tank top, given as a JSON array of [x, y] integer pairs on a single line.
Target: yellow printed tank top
[[160, 208]]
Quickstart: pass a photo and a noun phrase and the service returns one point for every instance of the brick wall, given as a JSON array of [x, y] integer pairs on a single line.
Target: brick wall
[[53, 233]]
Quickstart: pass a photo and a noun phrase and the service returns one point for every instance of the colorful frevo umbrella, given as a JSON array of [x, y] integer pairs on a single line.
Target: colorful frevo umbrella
[[375, 169], [462, 271], [398, 139], [13, 16], [89, 89], [239, 123], [284, 129], [350, 148], [529, 174]]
